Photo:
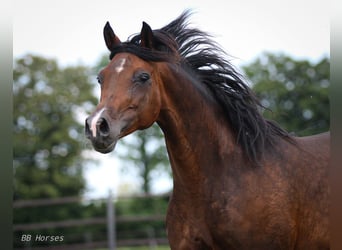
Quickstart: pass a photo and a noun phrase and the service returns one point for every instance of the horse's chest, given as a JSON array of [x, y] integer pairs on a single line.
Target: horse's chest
[[202, 224], [226, 223], [249, 220]]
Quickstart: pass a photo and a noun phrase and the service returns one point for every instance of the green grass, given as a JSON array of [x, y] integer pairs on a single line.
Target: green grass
[[140, 248]]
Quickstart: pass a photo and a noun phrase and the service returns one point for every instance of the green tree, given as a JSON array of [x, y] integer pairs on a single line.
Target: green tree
[[144, 151], [48, 137], [294, 92], [48, 141]]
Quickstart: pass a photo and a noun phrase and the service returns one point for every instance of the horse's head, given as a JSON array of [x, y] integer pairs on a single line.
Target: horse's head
[[130, 98]]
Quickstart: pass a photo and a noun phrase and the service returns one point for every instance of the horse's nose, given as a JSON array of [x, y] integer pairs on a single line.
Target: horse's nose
[[96, 127], [103, 127]]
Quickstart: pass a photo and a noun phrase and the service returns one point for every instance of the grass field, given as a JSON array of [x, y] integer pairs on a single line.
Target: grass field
[[145, 248], [140, 248]]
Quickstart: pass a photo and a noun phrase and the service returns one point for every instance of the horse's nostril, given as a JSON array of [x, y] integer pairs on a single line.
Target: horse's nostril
[[87, 128], [103, 127]]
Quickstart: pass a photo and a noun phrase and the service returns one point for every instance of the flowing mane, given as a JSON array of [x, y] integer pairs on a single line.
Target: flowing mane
[[194, 49]]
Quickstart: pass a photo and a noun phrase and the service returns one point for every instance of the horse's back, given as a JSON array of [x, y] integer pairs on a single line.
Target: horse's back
[[324, 137], [316, 147], [314, 214]]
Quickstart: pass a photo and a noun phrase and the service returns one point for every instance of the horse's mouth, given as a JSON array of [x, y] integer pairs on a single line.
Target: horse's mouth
[[103, 148]]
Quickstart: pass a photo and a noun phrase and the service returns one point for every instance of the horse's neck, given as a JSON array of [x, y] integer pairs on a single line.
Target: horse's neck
[[196, 132]]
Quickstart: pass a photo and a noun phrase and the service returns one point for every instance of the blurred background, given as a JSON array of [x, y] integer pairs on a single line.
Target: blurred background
[[62, 187]]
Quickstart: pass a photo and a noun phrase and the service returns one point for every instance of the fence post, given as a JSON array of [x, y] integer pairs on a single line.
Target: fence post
[[111, 222]]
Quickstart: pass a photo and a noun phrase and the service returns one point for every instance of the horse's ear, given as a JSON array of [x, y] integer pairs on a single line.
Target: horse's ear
[[146, 36], [110, 38]]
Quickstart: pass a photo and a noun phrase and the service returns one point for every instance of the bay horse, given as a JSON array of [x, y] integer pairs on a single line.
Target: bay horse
[[240, 181]]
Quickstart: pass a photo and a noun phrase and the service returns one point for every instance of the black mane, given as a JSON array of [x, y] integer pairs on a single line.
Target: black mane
[[178, 43]]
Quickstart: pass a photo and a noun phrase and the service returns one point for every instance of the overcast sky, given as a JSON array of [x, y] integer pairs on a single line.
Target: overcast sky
[[71, 32]]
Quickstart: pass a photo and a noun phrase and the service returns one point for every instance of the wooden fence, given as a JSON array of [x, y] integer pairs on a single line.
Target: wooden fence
[[110, 219]]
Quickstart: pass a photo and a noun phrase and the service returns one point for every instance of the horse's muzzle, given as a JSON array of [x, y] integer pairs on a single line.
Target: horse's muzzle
[[102, 136]]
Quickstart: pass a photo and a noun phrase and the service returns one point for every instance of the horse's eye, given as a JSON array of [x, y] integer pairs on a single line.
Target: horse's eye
[[142, 77]]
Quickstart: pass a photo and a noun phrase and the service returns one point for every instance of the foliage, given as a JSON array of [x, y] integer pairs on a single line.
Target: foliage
[[47, 135], [140, 208], [135, 209], [146, 152], [294, 92]]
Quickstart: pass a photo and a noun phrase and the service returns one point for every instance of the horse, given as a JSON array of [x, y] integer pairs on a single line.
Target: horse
[[240, 181]]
